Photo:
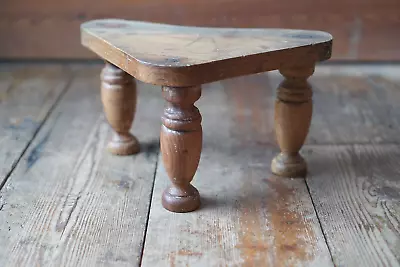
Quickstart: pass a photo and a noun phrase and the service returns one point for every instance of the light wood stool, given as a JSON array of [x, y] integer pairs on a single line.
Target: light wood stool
[[181, 59]]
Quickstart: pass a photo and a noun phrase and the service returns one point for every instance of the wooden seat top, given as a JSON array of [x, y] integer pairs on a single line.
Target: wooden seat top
[[183, 56]]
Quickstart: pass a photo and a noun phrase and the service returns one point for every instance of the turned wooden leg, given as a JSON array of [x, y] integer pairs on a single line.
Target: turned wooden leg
[[181, 142], [118, 94], [293, 111]]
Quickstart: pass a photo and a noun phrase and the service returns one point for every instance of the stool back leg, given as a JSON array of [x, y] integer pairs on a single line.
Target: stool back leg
[[118, 94], [293, 112]]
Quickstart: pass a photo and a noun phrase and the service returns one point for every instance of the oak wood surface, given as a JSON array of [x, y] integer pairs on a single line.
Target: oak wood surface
[[356, 192], [248, 216], [27, 95], [363, 29], [183, 56], [68, 202]]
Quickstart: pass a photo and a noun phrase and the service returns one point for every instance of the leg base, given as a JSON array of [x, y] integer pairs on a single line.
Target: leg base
[[175, 200], [289, 165], [123, 145]]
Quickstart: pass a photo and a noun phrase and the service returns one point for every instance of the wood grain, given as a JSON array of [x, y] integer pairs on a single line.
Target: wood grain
[[355, 189], [248, 216], [27, 95], [363, 29], [180, 56], [69, 202]]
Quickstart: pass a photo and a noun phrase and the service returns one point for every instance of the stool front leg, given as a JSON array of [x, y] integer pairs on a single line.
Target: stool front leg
[[118, 94], [293, 112], [181, 143]]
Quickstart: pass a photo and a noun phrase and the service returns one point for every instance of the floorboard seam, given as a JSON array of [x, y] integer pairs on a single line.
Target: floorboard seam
[[149, 209], [51, 109], [319, 222]]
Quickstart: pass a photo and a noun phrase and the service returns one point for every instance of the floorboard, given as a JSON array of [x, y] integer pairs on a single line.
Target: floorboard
[[356, 191], [68, 202], [27, 94]]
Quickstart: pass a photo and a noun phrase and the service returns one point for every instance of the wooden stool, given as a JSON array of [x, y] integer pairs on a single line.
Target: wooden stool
[[181, 59]]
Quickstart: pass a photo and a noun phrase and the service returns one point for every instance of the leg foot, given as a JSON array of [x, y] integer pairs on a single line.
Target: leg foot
[[289, 165], [123, 144], [293, 111], [181, 142], [177, 200], [118, 94]]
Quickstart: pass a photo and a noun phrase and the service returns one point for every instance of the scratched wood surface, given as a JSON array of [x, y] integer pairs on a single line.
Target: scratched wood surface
[[27, 94], [183, 56], [68, 202]]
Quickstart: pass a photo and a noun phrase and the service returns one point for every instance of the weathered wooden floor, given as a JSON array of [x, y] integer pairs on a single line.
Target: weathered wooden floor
[[65, 201]]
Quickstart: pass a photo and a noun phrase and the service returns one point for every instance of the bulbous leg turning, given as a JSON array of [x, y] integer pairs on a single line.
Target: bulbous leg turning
[[181, 143], [293, 112], [118, 94]]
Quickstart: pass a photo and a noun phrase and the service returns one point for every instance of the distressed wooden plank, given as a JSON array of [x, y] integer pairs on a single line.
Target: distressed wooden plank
[[355, 189], [351, 108], [69, 202], [27, 94], [248, 216]]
